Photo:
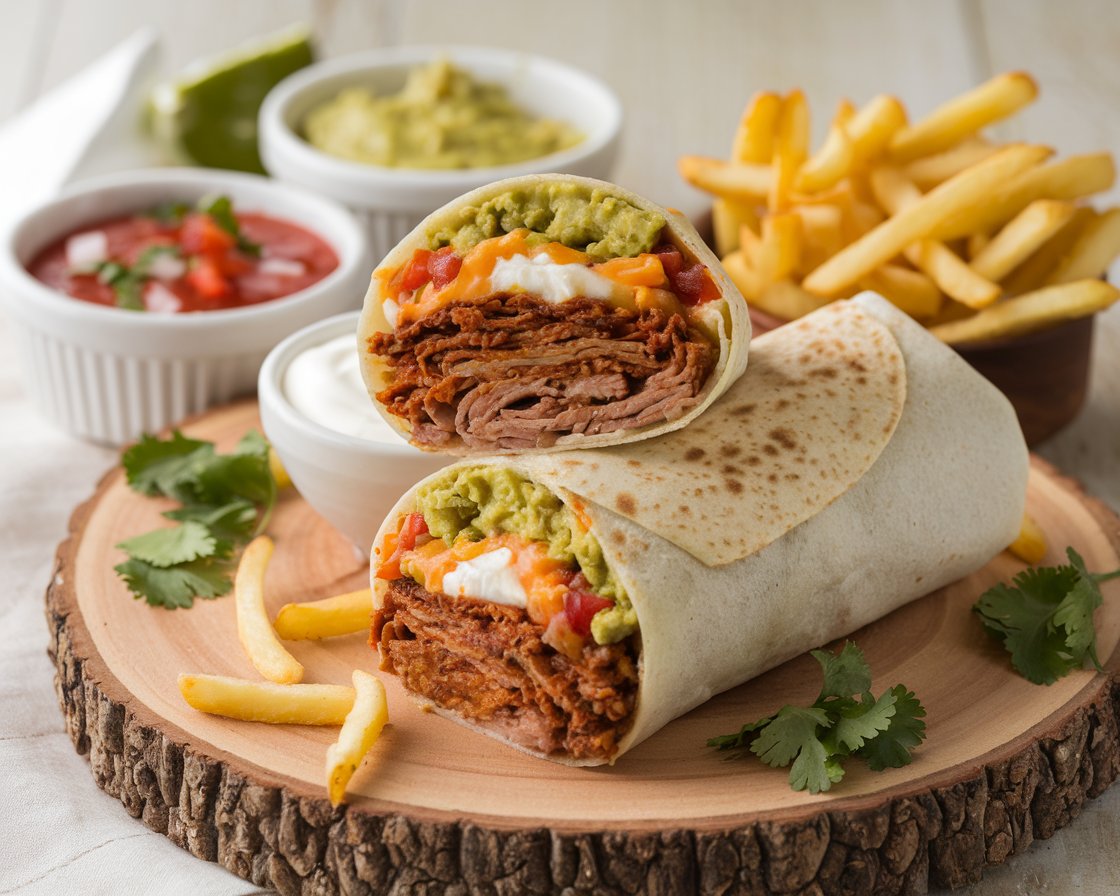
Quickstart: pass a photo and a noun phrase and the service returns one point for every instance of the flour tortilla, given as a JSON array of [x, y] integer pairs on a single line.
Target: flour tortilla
[[932, 488], [726, 320]]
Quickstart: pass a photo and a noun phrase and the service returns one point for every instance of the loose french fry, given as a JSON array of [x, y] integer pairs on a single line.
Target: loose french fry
[[951, 274], [1094, 251], [917, 221], [751, 245], [928, 172], [1030, 545], [976, 243], [1030, 311], [791, 146], [342, 614], [728, 216], [263, 648], [754, 138], [822, 227], [735, 180], [873, 126], [829, 164], [963, 116], [1028, 230], [1033, 273], [276, 468], [361, 729], [781, 246], [788, 301], [260, 701], [743, 275], [911, 291], [1069, 178]]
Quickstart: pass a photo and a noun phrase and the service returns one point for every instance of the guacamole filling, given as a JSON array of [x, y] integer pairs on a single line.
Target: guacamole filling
[[443, 118], [499, 605], [546, 311]]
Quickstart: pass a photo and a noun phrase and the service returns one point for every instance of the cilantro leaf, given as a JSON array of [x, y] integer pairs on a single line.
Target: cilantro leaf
[[845, 720], [1045, 618], [235, 521], [220, 208], [176, 586], [126, 283], [891, 748], [179, 544], [169, 213], [152, 466]]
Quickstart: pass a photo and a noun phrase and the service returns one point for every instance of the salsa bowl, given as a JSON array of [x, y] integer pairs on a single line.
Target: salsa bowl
[[107, 374]]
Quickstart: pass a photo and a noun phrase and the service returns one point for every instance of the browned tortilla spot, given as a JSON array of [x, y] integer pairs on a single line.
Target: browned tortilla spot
[[694, 454], [733, 485], [625, 503]]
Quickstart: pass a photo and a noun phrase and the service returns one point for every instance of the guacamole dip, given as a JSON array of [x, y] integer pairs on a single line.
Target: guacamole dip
[[442, 119], [477, 502], [592, 220]]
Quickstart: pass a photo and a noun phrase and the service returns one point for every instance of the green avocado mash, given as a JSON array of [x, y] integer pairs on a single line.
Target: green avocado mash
[[602, 225], [441, 119], [478, 502]]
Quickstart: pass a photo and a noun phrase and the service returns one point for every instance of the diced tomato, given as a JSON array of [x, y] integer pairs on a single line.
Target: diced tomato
[[443, 266], [670, 259], [412, 528], [200, 234], [416, 273], [558, 635], [694, 285], [580, 605], [207, 278]]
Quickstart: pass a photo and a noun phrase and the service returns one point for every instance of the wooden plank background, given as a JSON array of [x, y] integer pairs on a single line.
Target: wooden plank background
[[684, 71]]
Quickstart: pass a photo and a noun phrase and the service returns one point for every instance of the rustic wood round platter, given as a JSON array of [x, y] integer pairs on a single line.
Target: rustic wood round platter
[[438, 809]]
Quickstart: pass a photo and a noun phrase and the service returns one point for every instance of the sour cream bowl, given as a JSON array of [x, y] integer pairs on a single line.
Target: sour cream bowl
[[109, 374], [392, 201], [344, 459]]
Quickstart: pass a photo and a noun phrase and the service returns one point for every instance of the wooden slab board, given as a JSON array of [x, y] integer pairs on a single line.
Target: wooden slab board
[[436, 808]]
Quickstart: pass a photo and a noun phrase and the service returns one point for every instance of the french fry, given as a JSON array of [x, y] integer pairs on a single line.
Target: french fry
[[861, 218], [754, 137], [926, 173], [743, 275], [964, 115], [1028, 230], [873, 126], [1069, 178], [781, 246], [788, 301], [822, 227], [829, 164], [1096, 248], [361, 729], [260, 701], [736, 180], [276, 468], [751, 245], [1030, 545], [791, 146], [1030, 311], [911, 291], [342, 614], [1033, 272], [976, 243], [263, 648], [951, 274], [918, 221], [728, 215]]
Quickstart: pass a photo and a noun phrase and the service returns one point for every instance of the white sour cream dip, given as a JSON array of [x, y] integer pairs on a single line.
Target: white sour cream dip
[[553, 282], [325, 385], [488, 576]]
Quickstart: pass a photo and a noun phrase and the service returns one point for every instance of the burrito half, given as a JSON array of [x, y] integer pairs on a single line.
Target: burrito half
[[549, 312], [573, 604]]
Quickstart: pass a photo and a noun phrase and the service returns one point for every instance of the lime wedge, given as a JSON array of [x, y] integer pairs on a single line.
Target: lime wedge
[[207, 115]]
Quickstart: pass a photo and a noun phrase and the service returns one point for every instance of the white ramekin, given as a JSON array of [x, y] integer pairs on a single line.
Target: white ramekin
[[392, 201], [109, 375], [351, 482]]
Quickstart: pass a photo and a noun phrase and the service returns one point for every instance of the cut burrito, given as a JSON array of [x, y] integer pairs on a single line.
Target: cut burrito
[[549, 312], [573, 604]]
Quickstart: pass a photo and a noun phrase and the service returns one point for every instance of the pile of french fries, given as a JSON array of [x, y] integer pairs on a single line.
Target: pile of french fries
[[978, 240], [361, 710]]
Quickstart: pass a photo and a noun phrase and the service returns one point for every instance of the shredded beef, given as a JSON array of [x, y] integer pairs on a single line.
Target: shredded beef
[[486, 662], [518, 372]]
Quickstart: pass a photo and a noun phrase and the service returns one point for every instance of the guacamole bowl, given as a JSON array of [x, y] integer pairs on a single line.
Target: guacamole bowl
[[393, 200]]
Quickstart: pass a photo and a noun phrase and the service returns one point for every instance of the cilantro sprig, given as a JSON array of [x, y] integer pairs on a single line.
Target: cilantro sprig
[[1045, 618], [128, 282], [225, 499], [845, 720], [220, 208]]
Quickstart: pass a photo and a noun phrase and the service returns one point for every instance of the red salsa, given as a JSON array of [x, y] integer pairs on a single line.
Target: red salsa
[[178, 258]]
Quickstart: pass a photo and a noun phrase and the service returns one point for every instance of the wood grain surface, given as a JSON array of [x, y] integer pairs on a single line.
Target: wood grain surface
[[1019, 758]]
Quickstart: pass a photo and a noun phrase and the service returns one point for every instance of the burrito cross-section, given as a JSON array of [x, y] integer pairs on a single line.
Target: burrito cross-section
[[549, 312], [571, 604]]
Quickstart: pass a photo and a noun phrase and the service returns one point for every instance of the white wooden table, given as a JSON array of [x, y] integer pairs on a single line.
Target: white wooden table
[[684, 71]]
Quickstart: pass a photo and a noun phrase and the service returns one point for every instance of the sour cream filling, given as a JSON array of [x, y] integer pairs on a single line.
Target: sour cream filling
[[553, 282], [491, 576]]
